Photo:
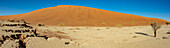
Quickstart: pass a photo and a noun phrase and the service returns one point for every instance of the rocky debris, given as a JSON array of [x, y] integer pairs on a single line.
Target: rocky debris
[[53, 42], [19, 23], [17, 34], [57, 34], [10, 44], [12, 35]]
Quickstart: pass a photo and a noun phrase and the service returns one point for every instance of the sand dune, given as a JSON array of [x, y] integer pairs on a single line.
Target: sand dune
[[70, 15]]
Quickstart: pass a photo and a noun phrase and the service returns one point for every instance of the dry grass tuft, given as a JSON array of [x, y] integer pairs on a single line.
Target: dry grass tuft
[[98, 29], [107, 28], [77, 28], [134, 37]]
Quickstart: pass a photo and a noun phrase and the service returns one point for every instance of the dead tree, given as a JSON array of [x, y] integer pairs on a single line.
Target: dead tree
[[155, 27]]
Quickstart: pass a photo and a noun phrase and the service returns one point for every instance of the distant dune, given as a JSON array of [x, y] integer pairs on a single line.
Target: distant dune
[[70, 15]]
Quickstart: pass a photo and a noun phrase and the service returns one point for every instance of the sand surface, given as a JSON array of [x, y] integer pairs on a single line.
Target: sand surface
[[90, 37], [103, 37]]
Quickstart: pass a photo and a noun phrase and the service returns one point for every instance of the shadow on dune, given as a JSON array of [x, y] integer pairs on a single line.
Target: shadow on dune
[[143, 34]]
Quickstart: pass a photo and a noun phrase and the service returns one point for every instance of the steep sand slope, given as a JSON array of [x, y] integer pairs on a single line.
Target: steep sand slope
[[82, 16]]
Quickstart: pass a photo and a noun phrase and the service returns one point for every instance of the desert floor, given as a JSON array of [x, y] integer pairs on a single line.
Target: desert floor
[[97, 37], [102, 37]]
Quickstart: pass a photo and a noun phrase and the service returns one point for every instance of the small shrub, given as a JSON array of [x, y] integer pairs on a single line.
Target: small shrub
[[119, 25], [107, 28], [66, 43], [87, 27], [167, 23], [168, 33], [74, 31], [134, 37], [40, 25], [103, 22], [98, 29], [131, 23], [164, 37], [77, 28], [95, 25], [22, 20], [130, 33], [61, 24], [10, 20]]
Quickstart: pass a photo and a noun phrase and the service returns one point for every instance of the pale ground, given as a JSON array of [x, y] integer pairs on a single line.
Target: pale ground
[[95, 37], [102, 37]]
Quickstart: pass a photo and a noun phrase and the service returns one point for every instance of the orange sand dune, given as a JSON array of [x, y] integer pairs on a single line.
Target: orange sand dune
[[70, 15]]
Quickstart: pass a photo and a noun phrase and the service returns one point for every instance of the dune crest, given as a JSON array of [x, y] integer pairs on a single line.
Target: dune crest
[[71, 15]]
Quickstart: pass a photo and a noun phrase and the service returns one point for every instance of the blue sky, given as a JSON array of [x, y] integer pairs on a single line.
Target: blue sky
[[147, 8]]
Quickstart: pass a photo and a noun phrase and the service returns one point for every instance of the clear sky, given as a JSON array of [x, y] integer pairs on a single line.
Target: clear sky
[[147, 8]]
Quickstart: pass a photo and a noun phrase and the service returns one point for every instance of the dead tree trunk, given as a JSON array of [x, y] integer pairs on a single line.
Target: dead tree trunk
[[154, 33]]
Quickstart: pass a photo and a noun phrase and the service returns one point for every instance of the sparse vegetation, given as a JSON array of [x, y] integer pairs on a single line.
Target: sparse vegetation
[[107, 28], [63, 29], [119, 25], [66, 43], [61, 24], [40, 25], [98, 29], [155, 27], [95, 25], [77, 28], [130, 33], [10, 20], [168, 33], [23, 21], [131, 23], [87, 27], [134, 37], [74, 31], [164, 37], [167, 23], [103, 22]]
